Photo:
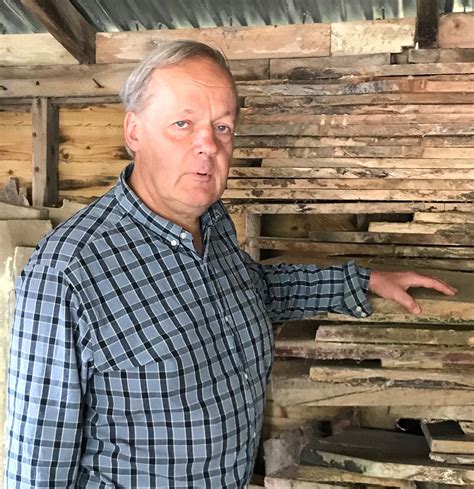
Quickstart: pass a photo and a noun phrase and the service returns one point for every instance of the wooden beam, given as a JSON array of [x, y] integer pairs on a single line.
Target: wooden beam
[[67, 25], [45, 132], [426, 23]]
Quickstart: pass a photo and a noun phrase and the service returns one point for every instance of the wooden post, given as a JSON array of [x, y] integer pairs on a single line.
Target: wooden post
[[426, 23], [45, 137], [252, 230]]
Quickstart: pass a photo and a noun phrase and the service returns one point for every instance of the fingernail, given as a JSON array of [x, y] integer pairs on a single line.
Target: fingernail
[[417, 310]]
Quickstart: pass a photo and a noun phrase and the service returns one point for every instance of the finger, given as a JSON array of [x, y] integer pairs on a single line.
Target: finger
[[433, 283], [407, 302]]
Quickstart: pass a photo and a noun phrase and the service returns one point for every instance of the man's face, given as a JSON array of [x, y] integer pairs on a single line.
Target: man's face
[[183, 138]]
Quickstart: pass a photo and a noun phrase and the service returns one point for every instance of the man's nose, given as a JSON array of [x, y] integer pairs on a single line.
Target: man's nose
[[205, 143]]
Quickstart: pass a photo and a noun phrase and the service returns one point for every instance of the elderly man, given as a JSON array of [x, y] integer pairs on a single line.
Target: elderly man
[[142, 341]]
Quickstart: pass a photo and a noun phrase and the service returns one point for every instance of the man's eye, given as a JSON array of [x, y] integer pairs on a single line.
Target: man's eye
[[222, 128], [181, 124]]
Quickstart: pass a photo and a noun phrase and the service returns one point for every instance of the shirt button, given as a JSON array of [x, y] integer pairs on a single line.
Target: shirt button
[[246, 376], [183, 235], [363, 315], [358, 308], [173, 243], [254, 435], [227, 319]]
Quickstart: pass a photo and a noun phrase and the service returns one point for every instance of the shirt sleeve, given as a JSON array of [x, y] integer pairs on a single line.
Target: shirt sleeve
[[297, 291], [47, 379]]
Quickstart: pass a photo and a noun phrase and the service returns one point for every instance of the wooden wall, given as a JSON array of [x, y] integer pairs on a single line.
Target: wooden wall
[[351, 144]]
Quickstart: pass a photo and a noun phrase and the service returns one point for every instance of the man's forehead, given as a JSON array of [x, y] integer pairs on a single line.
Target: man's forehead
[[196, 72]]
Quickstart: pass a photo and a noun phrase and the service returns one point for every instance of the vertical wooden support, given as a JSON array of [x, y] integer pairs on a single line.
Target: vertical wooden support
[[252, 230], [45, 137], [426, 23]]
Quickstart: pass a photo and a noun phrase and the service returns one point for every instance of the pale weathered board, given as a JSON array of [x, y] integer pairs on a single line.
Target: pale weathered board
[[235, 42], [445, 217], [395, 334], [33, 49], [366, 37]]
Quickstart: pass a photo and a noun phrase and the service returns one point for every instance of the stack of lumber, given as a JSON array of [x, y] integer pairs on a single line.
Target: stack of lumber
[[373, 458], [380, 138], [392, 369]]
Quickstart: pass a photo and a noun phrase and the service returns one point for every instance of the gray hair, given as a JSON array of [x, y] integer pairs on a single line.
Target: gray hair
[[133, 93]]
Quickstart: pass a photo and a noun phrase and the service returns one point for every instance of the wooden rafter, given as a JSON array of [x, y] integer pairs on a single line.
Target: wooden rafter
[[67, 25]]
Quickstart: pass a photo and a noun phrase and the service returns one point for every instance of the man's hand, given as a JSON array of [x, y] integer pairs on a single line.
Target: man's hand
[[394, 286]]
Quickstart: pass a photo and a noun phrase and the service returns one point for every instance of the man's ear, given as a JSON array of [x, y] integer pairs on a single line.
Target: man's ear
[[131, 131]]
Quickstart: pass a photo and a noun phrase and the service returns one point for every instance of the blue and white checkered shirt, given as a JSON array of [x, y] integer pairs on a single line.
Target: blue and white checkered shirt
[[138, 363]]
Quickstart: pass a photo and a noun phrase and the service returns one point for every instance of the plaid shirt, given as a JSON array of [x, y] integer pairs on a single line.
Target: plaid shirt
[[136, 362]]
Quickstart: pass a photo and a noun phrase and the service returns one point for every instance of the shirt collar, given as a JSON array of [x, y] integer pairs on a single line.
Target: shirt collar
[[134, 206]]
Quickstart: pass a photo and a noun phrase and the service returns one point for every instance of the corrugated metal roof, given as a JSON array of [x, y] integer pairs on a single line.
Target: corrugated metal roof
[[124, 15]]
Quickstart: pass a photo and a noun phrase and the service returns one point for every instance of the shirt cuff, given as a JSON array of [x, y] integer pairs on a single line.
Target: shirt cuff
[[355, 294]]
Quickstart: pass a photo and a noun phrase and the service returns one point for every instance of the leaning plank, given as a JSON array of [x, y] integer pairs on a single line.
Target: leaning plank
[[383, 453], [67, 26], [366, 37], [445, 217], [456, 31], [395, 334], [11, 211], [311, 477], [447, 437], [33, 49], [235, 42]]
